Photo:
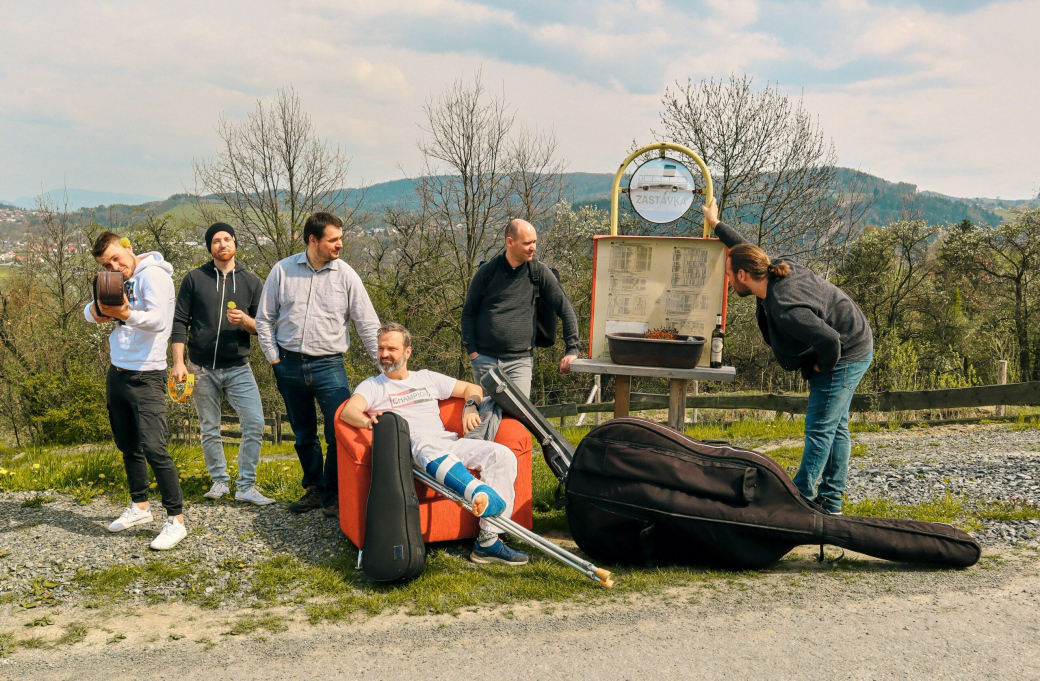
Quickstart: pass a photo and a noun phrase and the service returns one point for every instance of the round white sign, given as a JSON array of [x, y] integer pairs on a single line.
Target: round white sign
[[661, 190]]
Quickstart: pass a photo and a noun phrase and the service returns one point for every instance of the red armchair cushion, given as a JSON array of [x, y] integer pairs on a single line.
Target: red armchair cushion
[[441, 519]]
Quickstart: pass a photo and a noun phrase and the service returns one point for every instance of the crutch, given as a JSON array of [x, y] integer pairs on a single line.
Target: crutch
[[506, 525]]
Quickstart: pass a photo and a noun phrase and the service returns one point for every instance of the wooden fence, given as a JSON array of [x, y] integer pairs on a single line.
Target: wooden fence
[[952, 398], [277, 428]]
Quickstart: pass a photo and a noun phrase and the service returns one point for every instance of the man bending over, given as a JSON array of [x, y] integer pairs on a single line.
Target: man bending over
[[414, 395]]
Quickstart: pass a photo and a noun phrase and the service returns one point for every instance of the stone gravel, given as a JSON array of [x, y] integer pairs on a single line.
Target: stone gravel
[[59, 538], [983, 463]]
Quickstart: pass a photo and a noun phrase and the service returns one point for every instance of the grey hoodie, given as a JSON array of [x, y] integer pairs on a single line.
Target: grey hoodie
[[807, 320], [139, 344]]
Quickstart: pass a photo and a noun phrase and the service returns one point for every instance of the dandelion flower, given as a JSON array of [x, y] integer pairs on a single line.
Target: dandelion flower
[[231, 305], [36, 465], [101, 475]]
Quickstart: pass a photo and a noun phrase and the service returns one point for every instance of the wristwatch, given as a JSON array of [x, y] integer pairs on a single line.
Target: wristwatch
[[472, 402]]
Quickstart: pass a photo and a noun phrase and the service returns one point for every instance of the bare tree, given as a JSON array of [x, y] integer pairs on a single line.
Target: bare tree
[[271, 172], [466, 176], [772, 169], [536, 183]]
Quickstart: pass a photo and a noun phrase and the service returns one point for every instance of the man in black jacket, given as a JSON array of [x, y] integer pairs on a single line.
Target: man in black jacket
[[812, 326], [215, 315], [499, 318]]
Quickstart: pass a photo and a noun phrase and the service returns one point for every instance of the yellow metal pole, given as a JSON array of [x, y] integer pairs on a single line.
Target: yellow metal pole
[[662, 147]]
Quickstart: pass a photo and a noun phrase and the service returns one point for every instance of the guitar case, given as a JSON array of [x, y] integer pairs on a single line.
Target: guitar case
[[394, 550], [640, 493]]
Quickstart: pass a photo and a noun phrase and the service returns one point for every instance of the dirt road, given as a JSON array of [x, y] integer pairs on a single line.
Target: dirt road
[[801, 624]]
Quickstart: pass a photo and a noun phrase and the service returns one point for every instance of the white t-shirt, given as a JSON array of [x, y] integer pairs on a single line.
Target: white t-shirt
[[415, 398]]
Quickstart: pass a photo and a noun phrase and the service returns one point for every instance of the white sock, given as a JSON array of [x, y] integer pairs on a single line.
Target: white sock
[[486, 539]]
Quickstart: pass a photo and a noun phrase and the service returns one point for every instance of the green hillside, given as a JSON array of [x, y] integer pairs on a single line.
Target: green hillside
[[892, 201]]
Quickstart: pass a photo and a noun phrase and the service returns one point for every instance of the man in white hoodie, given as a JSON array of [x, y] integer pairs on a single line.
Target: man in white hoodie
[[136, 383]]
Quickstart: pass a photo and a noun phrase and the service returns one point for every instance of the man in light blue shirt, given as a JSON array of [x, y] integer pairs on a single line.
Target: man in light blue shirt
[[308, 301]]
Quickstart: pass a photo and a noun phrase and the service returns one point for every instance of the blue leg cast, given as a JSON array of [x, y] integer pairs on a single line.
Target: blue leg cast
[[450, 472]]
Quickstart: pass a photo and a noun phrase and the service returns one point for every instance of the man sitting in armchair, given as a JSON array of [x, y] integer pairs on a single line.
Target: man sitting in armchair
[[414, 395]]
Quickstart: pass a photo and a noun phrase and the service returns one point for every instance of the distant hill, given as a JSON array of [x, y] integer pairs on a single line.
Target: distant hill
[[83, 198], [896, 200], [892, 200]]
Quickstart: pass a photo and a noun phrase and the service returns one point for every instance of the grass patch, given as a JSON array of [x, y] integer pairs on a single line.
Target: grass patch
[[744, 430], [33, 642], [791, 457], [249, 624], [74, 633], [37, 501], [949, 508], [88, 475], [7, 643], [1007, 511], [1026, 422]]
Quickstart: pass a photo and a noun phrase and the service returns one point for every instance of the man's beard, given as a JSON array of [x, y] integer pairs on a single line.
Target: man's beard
[[740, 290], [393, 366], [223, 257]]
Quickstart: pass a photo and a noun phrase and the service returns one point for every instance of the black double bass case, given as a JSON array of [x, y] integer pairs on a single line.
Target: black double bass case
[[394, 549], [638, 492]]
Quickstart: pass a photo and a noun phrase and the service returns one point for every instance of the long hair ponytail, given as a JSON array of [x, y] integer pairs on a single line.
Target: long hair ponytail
[[756, 263]]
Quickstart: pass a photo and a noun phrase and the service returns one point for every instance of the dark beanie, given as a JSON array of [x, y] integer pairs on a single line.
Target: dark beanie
[[218, 227]]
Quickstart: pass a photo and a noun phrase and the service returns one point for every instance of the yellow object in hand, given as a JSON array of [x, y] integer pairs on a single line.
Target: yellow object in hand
[[231, 305]]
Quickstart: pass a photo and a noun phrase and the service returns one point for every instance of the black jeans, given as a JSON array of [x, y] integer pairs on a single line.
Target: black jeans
[[137, 413], [302, 381]]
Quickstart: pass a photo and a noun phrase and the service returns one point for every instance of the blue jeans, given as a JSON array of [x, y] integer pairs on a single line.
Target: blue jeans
[[238, 385], [519, 370], [827, 440], [302, 382]]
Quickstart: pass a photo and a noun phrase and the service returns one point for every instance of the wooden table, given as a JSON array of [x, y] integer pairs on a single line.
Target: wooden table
[[679, 381]]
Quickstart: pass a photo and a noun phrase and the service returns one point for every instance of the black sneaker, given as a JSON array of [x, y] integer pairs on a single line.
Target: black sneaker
[[308, 502]]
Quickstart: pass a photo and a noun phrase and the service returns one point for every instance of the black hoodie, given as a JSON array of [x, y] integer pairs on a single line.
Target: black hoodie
[[201, 314]]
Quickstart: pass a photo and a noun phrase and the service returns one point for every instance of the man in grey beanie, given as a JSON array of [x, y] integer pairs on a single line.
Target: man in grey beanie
[[215, 317]]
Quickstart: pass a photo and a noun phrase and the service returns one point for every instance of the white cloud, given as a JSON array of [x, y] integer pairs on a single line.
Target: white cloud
[[121, 96]]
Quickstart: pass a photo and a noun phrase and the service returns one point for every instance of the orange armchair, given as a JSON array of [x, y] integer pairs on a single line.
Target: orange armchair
[[441, 519]]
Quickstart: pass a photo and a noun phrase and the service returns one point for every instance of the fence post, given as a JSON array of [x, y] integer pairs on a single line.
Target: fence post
[[599, 397], [696, 391], [277, 428], [1001, 380]]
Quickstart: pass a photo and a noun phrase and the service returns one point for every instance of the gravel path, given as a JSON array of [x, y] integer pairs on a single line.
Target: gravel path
[[60, 537], [982, 463]]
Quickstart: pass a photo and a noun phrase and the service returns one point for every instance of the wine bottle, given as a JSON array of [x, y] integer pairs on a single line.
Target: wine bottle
[[717, 339]]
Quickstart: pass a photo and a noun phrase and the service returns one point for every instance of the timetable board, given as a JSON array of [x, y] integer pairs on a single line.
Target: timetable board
[[651, 282]]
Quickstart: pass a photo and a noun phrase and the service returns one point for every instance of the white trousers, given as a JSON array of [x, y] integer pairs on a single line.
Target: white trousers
[[496, 464]]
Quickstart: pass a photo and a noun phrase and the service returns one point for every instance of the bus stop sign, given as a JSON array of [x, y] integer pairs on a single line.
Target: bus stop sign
[[662, 190]]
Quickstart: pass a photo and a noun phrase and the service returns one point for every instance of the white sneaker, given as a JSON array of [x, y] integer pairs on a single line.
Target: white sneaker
[[172, 533], [253, 496], [132, 515], [218, 490]]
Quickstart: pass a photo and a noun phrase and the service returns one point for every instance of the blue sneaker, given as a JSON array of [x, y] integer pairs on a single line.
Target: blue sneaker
[[497, 553]]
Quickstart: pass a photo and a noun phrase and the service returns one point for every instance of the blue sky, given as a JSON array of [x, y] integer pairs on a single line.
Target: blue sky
[[121, 96]]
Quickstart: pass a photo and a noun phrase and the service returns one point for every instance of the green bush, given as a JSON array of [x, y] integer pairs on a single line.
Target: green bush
[[64, 410]]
